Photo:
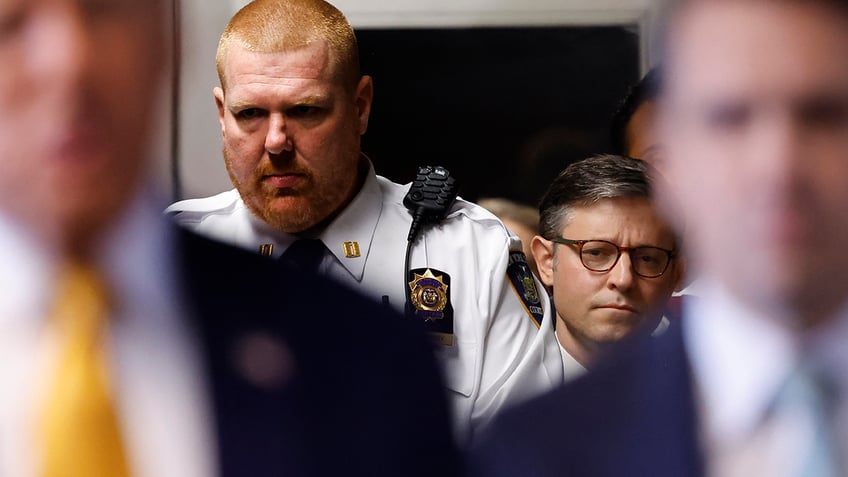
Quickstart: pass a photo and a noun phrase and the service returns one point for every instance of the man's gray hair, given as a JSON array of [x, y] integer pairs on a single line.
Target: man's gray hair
[[588, 181]]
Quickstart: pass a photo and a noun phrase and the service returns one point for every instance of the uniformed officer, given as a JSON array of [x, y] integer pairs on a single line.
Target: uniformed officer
[[292, 106]]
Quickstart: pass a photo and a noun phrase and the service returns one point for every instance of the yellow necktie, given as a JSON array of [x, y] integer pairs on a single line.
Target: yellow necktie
[[80, 427]]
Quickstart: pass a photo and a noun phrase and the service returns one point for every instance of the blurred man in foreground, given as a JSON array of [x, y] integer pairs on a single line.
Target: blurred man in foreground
[[123, 351], [755, 119]]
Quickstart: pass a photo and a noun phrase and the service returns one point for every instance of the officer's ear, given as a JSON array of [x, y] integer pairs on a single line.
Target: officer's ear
[[219, 102], [364, 98], [543, 253]]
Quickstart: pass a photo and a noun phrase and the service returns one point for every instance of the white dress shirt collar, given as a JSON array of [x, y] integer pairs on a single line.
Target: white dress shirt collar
[[572, 368], [25, 276], [357, 223]]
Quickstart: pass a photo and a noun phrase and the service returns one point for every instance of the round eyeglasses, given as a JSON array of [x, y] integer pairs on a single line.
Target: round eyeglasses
[[601, 256]]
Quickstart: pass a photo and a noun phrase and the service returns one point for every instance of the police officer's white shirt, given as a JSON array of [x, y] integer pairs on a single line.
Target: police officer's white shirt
[[500, 355]]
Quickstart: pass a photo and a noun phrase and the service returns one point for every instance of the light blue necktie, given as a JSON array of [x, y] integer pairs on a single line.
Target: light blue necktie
[[813, 393]]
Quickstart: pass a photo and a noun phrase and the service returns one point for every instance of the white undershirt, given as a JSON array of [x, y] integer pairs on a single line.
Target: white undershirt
[[158, 377], [573, 369]]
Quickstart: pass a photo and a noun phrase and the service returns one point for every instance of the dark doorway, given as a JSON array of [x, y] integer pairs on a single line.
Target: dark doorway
[[504, 109]]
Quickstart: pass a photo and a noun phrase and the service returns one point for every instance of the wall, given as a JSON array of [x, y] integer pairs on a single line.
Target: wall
[[201, 168]]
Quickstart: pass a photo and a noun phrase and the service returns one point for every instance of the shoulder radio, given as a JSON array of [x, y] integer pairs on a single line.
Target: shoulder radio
[[429, 199]]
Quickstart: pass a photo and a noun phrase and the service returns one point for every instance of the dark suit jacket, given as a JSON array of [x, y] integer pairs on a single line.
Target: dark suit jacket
[[632, 416], [308, 378]]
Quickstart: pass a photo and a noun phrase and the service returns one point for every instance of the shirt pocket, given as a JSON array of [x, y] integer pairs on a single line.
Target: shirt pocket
[[459, 363]]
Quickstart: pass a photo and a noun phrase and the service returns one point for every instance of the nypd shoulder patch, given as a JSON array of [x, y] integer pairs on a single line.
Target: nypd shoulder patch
[[524, 285]]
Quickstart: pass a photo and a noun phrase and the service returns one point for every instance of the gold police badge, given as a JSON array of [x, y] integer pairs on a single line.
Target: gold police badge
[[429, 295]]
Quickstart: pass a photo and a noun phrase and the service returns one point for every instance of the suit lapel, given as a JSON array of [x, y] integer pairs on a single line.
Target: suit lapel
[[637, 409], [671, 401], [250, 368]]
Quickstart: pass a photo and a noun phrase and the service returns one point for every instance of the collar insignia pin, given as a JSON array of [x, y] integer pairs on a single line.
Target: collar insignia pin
[[351, 249]]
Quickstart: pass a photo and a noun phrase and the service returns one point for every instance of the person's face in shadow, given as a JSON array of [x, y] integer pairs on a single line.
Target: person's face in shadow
[[642, 137]]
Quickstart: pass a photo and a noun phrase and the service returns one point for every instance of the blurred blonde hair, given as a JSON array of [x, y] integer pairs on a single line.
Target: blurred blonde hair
[[274, 26], [509, 210]]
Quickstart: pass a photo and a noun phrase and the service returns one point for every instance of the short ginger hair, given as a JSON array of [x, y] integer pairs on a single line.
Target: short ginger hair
[[274, 26]]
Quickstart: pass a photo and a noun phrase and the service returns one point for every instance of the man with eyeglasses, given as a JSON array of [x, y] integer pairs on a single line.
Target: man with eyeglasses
[[610, 258]]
